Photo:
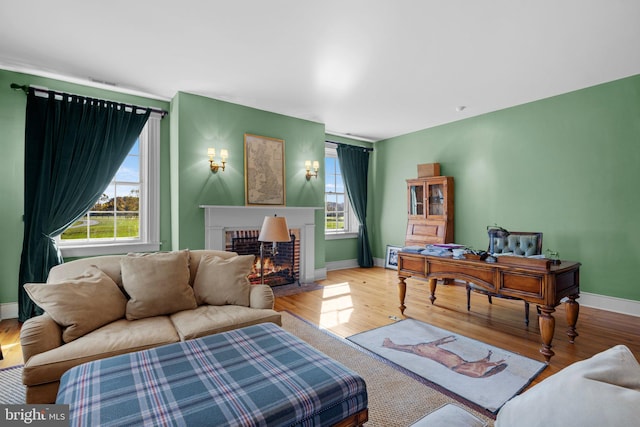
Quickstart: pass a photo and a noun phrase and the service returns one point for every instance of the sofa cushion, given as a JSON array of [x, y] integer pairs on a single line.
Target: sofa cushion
[[209, 319], [196, 254], [121, 336], [223, 281], [157, 283], [109, 264], [601, 391], [80, 304]]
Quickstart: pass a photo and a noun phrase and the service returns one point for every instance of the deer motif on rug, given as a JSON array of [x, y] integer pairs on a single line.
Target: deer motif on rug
[[481, 368]]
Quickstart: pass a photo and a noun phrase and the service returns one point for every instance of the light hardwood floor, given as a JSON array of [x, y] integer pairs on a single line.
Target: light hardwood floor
[[359, 299], [356, 300]]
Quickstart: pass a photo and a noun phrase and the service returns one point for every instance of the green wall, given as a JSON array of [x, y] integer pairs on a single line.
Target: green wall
[[568, 166], [198, 123], [341, 249], [12, 117]]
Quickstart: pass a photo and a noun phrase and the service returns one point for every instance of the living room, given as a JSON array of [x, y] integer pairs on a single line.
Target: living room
[[564, 165]]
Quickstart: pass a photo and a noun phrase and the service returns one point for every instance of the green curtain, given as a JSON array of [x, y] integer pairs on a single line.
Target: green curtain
[[73, 148], [354, 163]]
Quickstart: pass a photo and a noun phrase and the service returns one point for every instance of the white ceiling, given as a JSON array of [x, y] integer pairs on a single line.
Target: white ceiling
[[373, 69]]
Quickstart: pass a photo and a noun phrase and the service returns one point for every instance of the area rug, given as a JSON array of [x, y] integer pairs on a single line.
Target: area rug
[[294, 288], [482, 374], [395, 398], [11, 388]]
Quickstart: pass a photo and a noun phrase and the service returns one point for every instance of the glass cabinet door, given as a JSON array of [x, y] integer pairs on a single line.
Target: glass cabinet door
[[416, 200], [436, 199]]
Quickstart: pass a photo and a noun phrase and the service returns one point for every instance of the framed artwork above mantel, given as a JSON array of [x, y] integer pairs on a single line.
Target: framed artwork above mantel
[[264, 176]]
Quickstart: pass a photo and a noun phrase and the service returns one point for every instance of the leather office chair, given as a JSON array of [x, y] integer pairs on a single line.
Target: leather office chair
[[519, 243]]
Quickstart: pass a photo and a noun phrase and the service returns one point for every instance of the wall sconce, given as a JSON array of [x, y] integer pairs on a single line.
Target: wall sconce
[[307, 166], [223, 159]]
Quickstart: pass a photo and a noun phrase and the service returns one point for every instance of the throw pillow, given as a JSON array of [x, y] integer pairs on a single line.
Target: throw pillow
[[601, 391], [80, 304], [223, 281], [157, 284]]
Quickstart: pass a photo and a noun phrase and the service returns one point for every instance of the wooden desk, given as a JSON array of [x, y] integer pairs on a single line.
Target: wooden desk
[[537, 282]]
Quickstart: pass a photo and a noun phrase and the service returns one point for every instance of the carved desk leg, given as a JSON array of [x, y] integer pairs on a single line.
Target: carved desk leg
[[572, 308], [547, 327], [402, 292], [432, 289]]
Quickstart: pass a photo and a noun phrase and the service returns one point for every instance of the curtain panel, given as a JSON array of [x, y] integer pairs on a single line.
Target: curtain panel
[[73, 148], [354, 163]]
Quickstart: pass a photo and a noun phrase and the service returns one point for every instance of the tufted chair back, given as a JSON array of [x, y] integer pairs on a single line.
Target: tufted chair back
[[519, 243]]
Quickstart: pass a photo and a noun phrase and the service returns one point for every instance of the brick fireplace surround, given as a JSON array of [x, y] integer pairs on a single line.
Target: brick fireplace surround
[[220, 219]]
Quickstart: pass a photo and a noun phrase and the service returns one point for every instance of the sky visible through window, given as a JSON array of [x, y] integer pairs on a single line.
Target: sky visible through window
[[128, 173], [334, 182]]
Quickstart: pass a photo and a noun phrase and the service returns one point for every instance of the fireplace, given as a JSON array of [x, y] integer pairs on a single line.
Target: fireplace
[[218, 220], [279, 269]]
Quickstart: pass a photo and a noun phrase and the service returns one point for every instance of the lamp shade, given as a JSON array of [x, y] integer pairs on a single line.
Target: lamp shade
[[274, 229]]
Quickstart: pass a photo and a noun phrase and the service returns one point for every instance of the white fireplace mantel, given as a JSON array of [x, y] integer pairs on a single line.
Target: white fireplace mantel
[[220, 219]]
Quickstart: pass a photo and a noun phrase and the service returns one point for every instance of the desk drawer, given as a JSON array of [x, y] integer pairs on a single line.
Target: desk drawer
[[522, 284], [415, 265], [567, 282]]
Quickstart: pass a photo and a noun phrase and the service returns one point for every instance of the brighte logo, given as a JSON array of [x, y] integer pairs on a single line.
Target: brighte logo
[[36, 415], [26, 417]]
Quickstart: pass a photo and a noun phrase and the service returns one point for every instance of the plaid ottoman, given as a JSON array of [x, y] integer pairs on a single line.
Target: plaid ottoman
[[260, 375]]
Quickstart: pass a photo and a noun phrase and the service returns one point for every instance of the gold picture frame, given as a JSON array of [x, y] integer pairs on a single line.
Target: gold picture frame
[[264, 177]]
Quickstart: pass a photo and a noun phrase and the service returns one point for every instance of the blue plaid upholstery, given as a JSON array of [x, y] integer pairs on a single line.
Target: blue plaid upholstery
[[255, 376]]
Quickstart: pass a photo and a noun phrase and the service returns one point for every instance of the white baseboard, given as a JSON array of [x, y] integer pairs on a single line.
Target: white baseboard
[[9, 310], [320, 274], [603, 302], [342, 265], [351, 263]]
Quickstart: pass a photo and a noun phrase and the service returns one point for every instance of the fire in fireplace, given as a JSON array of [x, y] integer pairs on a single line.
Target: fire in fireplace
[[281, 269]]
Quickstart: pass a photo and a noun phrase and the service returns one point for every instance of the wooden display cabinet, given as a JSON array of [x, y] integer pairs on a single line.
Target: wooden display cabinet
[[430, 211]]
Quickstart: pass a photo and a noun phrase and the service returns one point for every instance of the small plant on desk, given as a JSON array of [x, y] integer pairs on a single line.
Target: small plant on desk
[[554, 256]]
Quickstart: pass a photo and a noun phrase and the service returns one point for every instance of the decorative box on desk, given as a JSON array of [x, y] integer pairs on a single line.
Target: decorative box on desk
[[521, 261]]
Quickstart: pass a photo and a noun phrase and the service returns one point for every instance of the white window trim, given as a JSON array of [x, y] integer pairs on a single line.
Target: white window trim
[[149, 240], [354, 224]]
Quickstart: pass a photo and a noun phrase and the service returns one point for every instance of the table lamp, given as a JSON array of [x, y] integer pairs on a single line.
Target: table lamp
[[274, 229]]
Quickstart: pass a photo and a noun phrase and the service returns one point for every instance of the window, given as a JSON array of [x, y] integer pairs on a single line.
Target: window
[[339, 220], [126, 218]]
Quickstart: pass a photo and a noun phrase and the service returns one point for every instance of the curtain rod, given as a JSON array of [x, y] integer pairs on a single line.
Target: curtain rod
[[349, 145], [25, 89]]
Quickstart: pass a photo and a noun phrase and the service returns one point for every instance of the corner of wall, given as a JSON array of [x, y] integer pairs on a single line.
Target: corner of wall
[[174, 176]]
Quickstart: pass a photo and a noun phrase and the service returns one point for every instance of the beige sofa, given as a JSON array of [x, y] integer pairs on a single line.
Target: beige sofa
[[148, 305]]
